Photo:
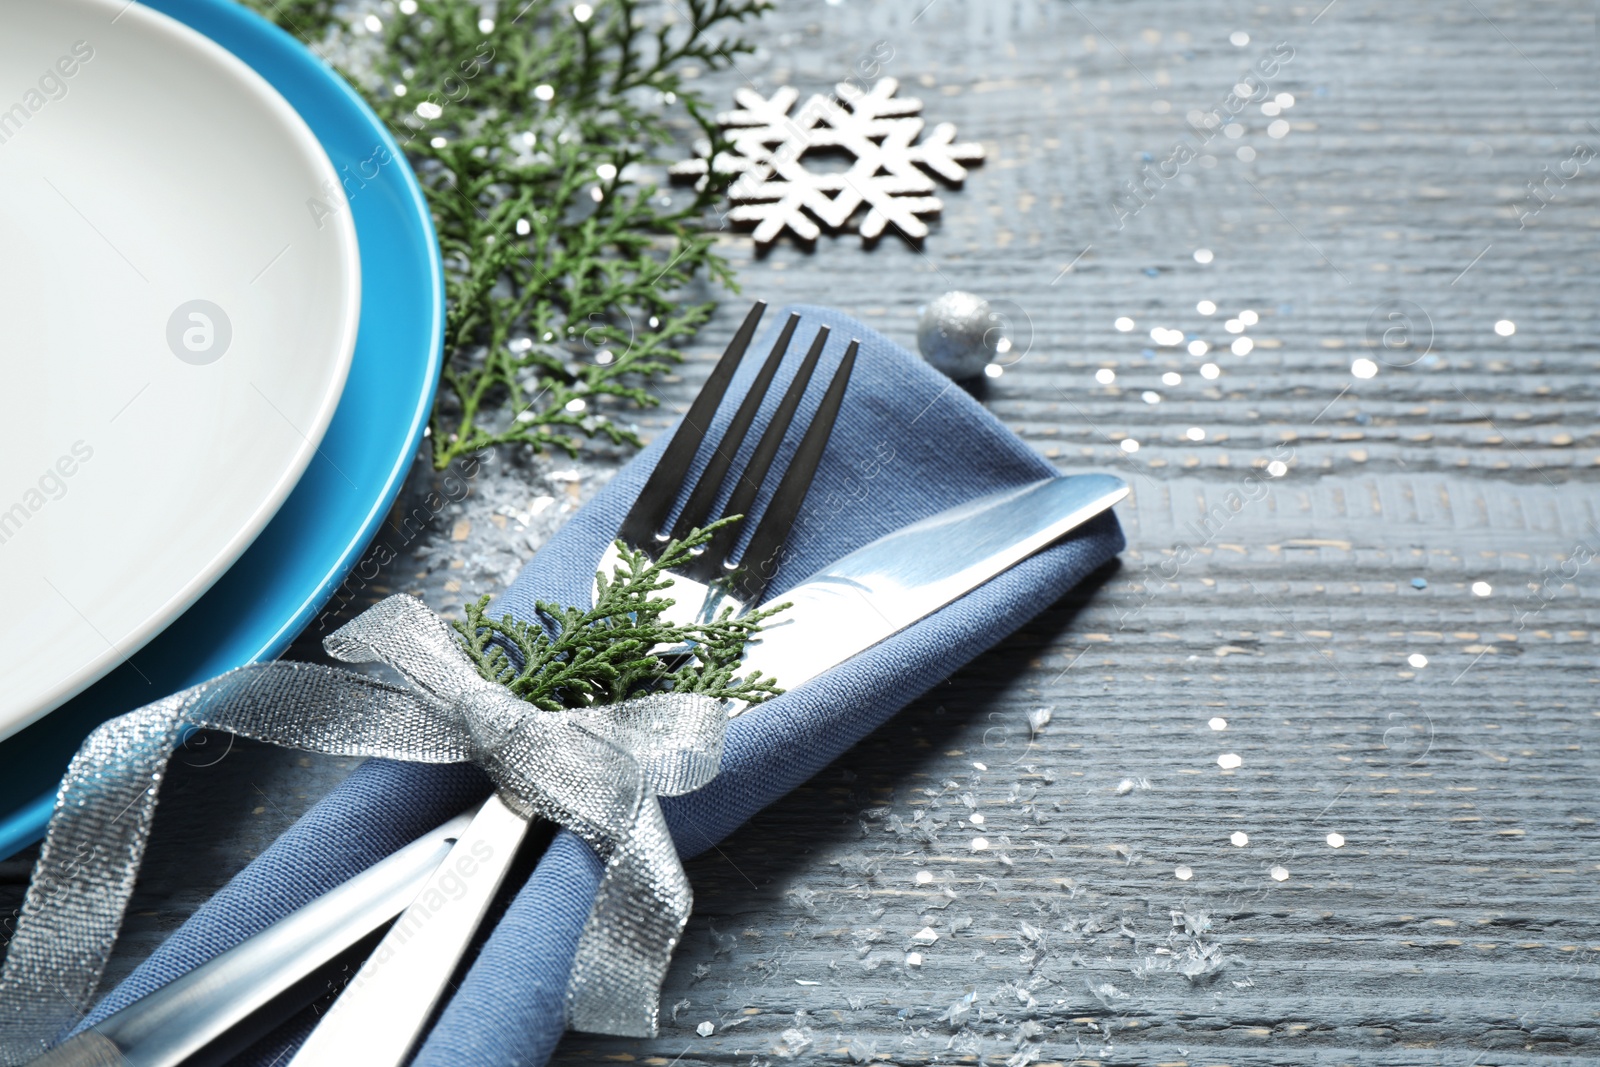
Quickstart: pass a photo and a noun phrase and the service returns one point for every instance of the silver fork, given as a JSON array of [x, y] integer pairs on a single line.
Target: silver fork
[[380, 1016], [710, 583]]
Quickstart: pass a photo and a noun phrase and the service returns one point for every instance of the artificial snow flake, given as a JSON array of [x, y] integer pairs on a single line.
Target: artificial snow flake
[[875, 129]]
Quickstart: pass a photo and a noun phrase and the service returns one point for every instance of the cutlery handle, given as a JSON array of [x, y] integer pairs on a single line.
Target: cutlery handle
[[88, 1049], [177, 1020], [379, 1017]]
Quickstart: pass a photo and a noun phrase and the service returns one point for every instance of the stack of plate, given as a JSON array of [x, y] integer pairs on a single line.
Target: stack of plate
[[222, 314]]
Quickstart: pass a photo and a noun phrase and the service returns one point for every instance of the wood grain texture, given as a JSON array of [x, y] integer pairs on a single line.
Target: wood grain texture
[[1456, 923], [1111, 917]]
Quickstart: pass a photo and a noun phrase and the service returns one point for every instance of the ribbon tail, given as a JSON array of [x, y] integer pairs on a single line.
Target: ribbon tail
[[85, 875], [576, 768], [627, 942]]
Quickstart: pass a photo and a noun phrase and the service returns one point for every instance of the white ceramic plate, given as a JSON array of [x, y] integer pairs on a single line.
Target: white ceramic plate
[[179, 293]]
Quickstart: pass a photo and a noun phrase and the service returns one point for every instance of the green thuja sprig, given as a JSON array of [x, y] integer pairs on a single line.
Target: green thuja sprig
[[535, 129], [577, 657]]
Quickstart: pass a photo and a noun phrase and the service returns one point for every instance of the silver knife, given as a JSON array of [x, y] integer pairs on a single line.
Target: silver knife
[[844, 609]]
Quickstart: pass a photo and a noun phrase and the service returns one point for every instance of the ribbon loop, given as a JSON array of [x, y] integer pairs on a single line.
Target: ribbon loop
[[402, 632], [595, 770]]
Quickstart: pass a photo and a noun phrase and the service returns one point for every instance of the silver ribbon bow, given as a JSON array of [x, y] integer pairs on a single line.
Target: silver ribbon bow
[[596, 771]]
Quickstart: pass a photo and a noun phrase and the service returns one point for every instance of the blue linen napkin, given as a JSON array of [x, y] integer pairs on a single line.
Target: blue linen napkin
[[908, 443]]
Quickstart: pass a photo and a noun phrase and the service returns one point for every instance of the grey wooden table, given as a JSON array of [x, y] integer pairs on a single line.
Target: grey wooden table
[[1319, 780]]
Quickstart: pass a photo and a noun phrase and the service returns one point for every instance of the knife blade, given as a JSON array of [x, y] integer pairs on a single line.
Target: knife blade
[[880, 589], [844, 609]]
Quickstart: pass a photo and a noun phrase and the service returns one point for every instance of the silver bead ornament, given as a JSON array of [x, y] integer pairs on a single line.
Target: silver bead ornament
[[958, 334]]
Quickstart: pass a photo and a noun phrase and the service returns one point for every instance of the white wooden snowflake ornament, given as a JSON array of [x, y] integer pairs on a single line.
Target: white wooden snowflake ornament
[[874, 129]]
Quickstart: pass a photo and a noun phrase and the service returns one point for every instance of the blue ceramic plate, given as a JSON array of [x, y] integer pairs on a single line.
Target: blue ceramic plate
[[308, 548]]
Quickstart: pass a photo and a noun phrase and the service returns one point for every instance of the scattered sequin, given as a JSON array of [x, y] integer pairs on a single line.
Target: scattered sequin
[[1248, 317], [1172, 377], [1183, 874], [1505, 327], [1206, 307], [792, 1043], [1210, 371], [1233, 326], [1195, 433], [1419, 583], [1238, 38], [925, 936], [582, 12], [980, 844], [1229, 761], [1130, 446], [1218, 723], [1277, 468], [1198, 347], [924, 877], [913, 959], [1246, 153], [1364, 368], [1203, 255], [1150, 396], [1482, 588], [1336, 840], [994, 370], [976, 818], [544, 92], [1124, 324], [1284, 100], [1242, 346], [1279, 874], [1105, 375], [1278, 128], [1239, 838], [706, 1029], [1417, 660]]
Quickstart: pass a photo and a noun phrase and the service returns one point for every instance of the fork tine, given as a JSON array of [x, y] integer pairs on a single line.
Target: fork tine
[[764, 551], [708, 566], [698, 509], [649, 513]]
